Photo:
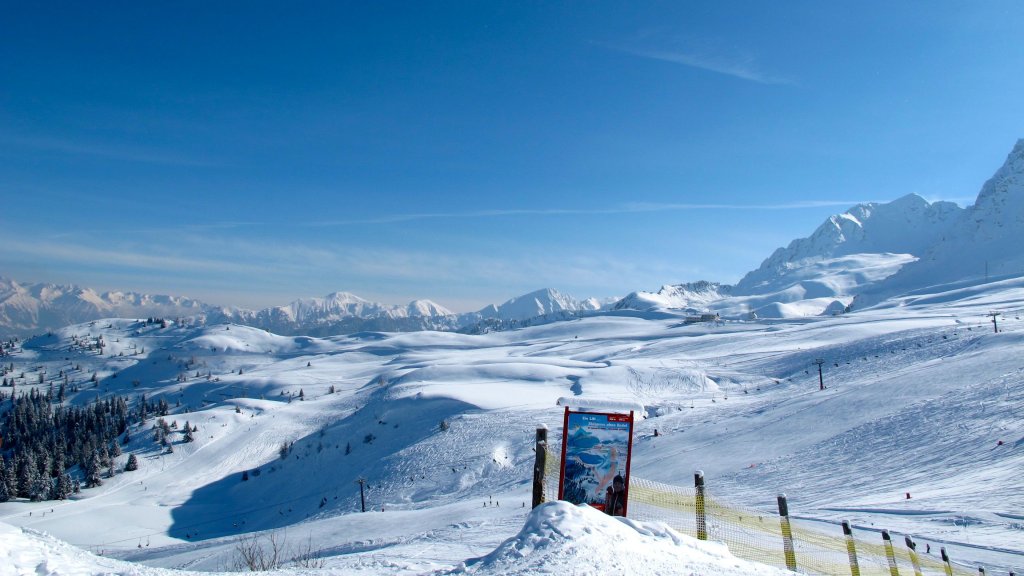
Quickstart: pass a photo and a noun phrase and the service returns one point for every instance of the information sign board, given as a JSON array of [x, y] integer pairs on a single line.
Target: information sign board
[[596, 450]]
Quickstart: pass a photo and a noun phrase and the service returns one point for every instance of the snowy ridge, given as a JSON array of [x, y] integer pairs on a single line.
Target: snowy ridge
[[907, 225], [984, 243], [692, 296], [31, 309], [537, 303]]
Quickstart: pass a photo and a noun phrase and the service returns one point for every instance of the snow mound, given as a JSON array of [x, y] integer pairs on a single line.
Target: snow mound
[[560, 538], [31, 552]]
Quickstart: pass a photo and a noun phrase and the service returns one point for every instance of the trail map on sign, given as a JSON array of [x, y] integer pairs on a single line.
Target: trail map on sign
[[595, 461]]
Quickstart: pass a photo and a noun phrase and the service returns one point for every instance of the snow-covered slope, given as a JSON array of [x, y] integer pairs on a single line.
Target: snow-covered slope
[[441, 427]]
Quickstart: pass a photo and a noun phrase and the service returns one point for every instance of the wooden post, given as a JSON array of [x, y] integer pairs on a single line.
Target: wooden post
[[851, 549], [787, 533], [912, 548], [702, 521], [945, 561], [539, 465], [890, 554]]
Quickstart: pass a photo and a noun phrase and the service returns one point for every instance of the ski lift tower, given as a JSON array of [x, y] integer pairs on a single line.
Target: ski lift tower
[[995, 325], [821, 379]]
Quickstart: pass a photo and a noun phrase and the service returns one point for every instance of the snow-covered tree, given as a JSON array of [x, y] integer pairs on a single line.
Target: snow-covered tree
[[93, 471], [63, 487]]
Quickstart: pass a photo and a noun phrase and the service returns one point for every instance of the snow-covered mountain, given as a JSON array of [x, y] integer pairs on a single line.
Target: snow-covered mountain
[[539, 306], [869, 253], [537, 303], [27, 309], [877, 251], [693, 296], [984, 241], [343, 312], [908, 225]]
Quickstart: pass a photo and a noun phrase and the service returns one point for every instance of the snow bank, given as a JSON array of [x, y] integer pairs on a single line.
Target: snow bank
[[557, 538], [560, 538], [29, 552]]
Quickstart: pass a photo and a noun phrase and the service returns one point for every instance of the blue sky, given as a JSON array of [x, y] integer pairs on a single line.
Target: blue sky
[[252, 153]]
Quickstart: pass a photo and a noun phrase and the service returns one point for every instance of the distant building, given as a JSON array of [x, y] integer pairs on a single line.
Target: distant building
[[701, 318]]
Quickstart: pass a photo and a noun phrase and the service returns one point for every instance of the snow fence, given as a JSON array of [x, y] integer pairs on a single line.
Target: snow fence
[[769, 537]]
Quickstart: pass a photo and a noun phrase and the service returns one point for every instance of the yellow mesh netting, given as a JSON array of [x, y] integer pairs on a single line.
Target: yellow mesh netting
[[757, 535]]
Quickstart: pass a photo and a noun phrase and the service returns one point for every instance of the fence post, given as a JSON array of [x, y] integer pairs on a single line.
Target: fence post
[[539, 466], [702, 520], [912, 548], [945, 561], [890, 554], [787, 533], [851, 548]]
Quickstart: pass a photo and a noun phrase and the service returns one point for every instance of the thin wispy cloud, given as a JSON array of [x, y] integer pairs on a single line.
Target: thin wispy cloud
[[80, 254], [99, 150], [631, 208], [742, 68]]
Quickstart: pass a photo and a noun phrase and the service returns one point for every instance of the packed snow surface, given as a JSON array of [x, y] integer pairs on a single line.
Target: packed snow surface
[[922, 397]]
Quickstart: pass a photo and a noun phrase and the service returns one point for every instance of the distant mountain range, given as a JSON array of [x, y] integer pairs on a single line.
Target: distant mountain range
[[855, 259], [27, 309]]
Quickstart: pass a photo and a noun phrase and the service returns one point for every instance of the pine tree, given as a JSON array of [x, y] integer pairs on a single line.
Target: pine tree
[[40, 489], [132, 464], [4, 494], [11, 478], [58, 465], [27, 476], [188, 434], [93, 470], [62, 490]]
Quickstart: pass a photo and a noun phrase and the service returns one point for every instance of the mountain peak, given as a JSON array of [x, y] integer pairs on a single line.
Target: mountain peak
[[693, 296], [1001, 200], [907, 225]]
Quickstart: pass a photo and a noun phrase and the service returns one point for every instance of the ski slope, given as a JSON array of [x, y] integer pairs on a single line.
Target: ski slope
[[919, 394]]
